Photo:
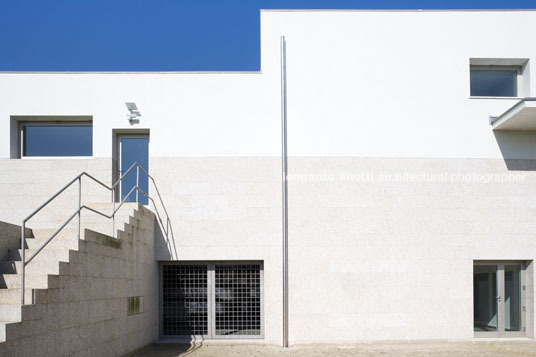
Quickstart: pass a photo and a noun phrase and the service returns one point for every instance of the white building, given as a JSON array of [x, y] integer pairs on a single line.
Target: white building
[[410, 216]]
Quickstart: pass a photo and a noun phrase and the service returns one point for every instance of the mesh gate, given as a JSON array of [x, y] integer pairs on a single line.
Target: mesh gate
[[238, 299], [212, 300], [184, 300]]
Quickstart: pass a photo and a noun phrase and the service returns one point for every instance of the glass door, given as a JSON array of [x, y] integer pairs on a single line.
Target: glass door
[[498, 296], [513, 307], [134, 148]]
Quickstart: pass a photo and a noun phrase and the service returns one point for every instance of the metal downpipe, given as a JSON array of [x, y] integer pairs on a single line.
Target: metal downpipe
[[284, 188]]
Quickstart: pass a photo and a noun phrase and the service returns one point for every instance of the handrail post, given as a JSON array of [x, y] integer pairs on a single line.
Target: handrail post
[[137, 182], [23, 262], [113, 212], [79, 204]]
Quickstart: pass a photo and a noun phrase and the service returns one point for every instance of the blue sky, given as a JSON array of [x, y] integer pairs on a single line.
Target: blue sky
[[159, 35]]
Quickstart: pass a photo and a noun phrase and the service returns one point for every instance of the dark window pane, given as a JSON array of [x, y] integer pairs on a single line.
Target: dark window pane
[[512, 298], [57, 140], [491, 83], [484, 298]]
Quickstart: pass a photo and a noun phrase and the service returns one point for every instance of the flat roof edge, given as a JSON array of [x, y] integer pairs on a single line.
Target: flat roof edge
[[130, 72], [398, 10]]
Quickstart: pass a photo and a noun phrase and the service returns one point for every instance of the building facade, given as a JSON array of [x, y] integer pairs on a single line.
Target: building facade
[[411, 211]]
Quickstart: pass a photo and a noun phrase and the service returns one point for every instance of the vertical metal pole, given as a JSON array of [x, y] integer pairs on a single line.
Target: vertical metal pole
[[22, 262], [285, 187], [137, 181], [79, 203], [113, 212]]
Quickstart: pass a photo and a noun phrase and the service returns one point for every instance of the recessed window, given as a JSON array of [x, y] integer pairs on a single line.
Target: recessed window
[[56, 139], [494, 81]]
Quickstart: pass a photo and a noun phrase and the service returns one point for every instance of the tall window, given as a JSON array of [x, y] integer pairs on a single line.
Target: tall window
[[56, 139]]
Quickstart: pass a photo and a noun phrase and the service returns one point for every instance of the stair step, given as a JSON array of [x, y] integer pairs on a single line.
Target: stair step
[[10, 313], [33, 281], [42, 234], [12, 296], [42, 266], [3, 328], [49, 254], [91, 221], [56, 243]]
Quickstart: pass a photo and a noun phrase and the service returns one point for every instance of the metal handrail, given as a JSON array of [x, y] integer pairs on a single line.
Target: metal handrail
[[168, 229]]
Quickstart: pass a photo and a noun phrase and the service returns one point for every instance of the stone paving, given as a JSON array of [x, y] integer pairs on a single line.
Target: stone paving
[[470, 349]]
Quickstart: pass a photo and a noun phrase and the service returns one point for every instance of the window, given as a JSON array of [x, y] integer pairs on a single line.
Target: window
[[494, 81], [56, 139], [499, 77], [220, 300]]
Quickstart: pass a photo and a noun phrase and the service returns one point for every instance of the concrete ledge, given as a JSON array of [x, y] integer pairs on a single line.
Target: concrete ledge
[[103, 239]]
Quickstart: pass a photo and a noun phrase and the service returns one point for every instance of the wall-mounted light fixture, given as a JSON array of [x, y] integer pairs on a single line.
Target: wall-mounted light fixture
[[133, 114]]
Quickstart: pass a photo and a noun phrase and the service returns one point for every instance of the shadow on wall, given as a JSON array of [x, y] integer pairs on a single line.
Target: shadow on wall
[[160, 241], [168, 349], [518, 149]]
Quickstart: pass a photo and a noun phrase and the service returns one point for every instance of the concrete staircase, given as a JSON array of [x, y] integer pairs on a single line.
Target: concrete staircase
[[43, 272]]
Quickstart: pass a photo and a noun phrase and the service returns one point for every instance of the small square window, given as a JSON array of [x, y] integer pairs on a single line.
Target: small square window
[[56, 139], [494, 81]]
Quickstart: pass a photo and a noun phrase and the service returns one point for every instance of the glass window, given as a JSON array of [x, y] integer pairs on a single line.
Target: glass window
[[57, 140], [484, 296], [134, 149], [494, 83], [512, 297]]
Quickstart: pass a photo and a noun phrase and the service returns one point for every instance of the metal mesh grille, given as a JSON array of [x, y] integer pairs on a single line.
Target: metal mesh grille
[[185, 300], [238, 299]]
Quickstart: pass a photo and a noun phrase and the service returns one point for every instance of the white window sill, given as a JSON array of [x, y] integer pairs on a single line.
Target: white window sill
[[512, 98], [503, 339], [56, 157]]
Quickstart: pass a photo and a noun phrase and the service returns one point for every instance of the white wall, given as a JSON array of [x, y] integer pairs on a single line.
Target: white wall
[[366, 89], [188, 114], [391, 83], [361, 83]]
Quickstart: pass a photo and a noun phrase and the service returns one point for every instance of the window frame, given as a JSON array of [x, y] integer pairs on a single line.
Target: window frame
[[524, 299], [491, 67], [120, 163], [23, 124]]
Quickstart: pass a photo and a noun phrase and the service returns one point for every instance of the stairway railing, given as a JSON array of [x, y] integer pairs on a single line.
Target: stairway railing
[[166, 229]]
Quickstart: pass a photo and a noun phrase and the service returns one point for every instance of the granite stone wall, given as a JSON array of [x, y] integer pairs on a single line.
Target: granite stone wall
[[85, 309]]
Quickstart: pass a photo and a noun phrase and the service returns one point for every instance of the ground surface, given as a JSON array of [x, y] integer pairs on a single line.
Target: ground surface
[[517, 348]]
